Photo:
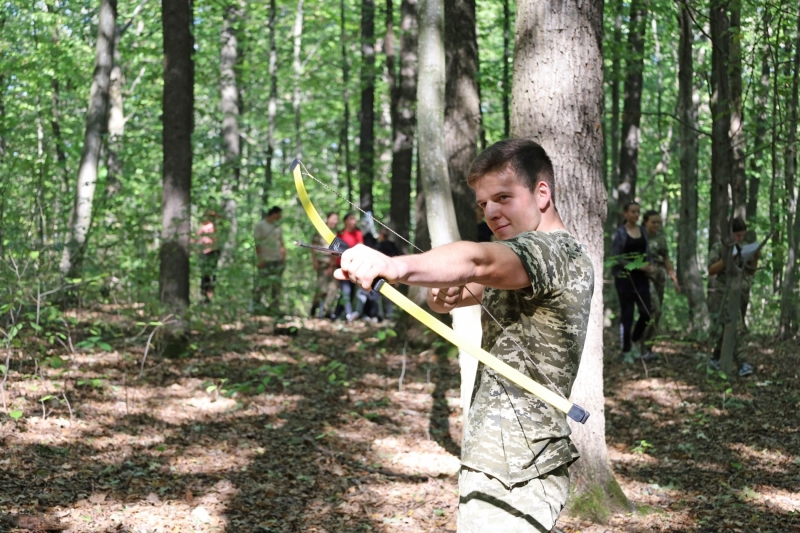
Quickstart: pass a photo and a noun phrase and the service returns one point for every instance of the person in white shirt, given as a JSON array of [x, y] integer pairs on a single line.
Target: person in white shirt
[[271, 261]]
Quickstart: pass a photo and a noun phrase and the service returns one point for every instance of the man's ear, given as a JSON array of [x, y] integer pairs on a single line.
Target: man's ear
[[544, 195]]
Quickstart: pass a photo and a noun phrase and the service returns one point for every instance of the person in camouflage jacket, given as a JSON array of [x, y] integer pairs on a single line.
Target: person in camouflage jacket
[[536, 284], [661, 269], [717, 297]]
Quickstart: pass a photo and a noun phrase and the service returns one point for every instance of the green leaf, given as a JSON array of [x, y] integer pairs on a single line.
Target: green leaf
[[105, 346], [737, 466], [3, 369], [16, 415], [45, 398]]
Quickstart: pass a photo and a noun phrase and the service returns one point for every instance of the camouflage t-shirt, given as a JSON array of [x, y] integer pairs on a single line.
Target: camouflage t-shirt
[[658, 248], [512, 435]]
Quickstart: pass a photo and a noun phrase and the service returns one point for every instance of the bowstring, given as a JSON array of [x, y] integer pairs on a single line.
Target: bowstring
[[513, 337]]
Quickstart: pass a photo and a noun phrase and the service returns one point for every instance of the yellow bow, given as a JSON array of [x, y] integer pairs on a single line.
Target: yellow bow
[[575, 412]]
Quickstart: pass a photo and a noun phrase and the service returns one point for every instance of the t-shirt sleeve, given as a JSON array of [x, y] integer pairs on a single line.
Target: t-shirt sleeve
[[541, 263]]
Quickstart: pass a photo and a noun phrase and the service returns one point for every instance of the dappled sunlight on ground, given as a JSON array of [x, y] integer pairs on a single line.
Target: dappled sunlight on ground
[[313, 433]]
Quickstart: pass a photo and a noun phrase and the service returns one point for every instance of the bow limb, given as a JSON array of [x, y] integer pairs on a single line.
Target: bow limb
[[309, 208], [575, 412]]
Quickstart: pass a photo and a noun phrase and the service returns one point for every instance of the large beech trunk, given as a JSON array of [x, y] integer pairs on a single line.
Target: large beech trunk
[[462, 109], [563, 40], [177, 109], [404, 122], [632, 108], [366, 148], [688, 264], [230, 104], [96, 124]]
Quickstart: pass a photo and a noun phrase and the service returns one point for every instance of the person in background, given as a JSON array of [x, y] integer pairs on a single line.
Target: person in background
[[717, 297], [271, 261], [631, 267], [352, 236], [662, 267], [367, 301], [209, 254], [327, 286]]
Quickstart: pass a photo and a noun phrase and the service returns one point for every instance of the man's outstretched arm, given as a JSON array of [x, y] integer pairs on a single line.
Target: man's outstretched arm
[[452, 265]]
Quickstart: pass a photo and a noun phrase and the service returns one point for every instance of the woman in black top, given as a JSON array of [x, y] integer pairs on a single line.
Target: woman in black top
[[632, 284]]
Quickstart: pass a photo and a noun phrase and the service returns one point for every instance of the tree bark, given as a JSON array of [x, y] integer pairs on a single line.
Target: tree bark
[[563, 40], [632, 108], [272, 107], [789, 302], [297, 33], [506, 74], [366, 147], [736, 130], [344, 136], [616, 66], [230, 104], [96, 124], [404, 122], [721, 149], [688, 264], [462, 109], [760, 142], [177, 109], [116, 121]]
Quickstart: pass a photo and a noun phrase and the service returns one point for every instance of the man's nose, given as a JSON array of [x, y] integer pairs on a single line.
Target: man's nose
[[491, 210]]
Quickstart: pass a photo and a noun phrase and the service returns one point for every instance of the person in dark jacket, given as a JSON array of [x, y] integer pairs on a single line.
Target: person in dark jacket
[[631, 254]]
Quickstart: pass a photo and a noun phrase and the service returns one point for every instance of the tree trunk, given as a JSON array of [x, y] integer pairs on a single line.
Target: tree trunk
[[116, 121], [760, 141], [404, 122], [789, 302], [616, 65], [721, 150], [272, 107], [55, 125], [230, 105], [177, 109], [96, 124], [297, 33], [738, 177], [774, 208], [462, 109], [433, 166], [688, 265], [344, 136], [563, 40], [366, 147], [506, 75], [632, 109]]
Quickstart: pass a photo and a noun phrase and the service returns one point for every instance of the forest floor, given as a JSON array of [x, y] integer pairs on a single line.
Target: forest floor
[[314, 432]]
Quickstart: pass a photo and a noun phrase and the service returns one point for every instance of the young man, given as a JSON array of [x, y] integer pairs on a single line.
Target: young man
[[718, 301], [271, 261], [537, 282]]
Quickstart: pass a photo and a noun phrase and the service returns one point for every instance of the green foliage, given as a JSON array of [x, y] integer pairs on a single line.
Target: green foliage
[[642, 446]]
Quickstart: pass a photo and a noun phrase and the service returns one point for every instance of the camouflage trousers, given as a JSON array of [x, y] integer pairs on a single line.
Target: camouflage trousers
[[267, 294], [658, 282], [486, 504], [327, 292], [717, 309]]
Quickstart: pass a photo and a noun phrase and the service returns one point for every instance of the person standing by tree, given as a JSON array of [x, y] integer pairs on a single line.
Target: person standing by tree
[[717, 296], [209, 254], [662, 267], [631, 267], [271, 258], [327, 285], [538, 282]]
